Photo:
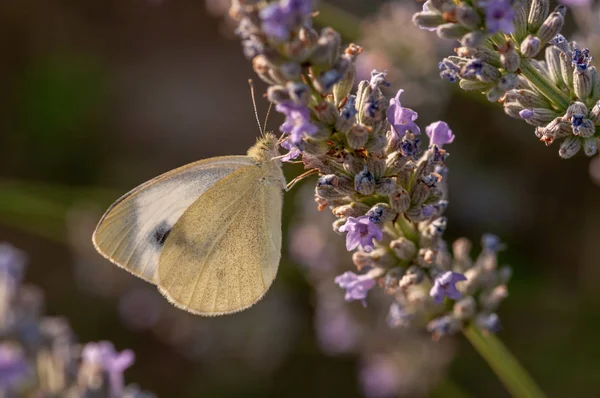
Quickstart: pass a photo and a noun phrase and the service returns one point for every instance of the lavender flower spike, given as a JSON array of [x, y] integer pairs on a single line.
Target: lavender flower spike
[[13, 366], [445, 286], [499, 16], [361, 231], [439, 134], [297, 121], [402, 119], [103, 355], [357, 286]]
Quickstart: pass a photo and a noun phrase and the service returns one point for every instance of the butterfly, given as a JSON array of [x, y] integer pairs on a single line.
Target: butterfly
[[207, 234]]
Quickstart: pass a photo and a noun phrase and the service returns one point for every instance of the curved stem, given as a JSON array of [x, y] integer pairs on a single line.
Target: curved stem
[[508, 369], [544, 86]]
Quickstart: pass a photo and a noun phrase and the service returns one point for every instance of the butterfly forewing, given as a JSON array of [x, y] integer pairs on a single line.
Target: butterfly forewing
[[224, 251], [134, 230]]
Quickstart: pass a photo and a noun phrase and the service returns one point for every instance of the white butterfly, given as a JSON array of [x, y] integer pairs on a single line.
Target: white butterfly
[[208, 234]]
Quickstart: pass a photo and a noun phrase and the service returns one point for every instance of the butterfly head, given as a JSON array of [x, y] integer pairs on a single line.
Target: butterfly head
[[266, 148]]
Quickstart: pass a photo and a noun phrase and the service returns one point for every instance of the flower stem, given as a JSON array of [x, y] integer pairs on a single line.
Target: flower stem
[[508, 369], [545, 86]]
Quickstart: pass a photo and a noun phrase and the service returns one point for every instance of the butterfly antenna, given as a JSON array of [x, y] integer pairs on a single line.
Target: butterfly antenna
[[251, 83], [267, 117]]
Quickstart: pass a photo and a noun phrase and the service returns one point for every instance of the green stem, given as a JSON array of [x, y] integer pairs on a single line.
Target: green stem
[[545, 86], [504, 364]]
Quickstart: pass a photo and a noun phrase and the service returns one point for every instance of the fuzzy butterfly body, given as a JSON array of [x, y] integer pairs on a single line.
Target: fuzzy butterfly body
[[208, 234]]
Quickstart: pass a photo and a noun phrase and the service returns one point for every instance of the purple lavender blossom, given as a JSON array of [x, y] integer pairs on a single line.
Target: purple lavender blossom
[[357, 286], [581, 59], [13, 367], [439, 134], [499, 15], [297, 121], [279, 18], [379, 378], [445, 286], [361, 231], [104, 356], [293, 151], [378, 79], [402, 119], [473, 68], [448, 70], [491, 243]]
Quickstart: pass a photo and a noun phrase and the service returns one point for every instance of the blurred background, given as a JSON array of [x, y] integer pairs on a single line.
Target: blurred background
[[100, 96]]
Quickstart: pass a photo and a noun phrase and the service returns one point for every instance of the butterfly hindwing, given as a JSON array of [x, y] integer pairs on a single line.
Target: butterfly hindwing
[[224, 251]]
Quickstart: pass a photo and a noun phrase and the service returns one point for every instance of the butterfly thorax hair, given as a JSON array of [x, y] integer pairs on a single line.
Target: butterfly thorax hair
[[265, 149]]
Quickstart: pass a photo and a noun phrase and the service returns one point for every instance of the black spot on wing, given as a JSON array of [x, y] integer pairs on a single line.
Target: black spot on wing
[[160, 234]]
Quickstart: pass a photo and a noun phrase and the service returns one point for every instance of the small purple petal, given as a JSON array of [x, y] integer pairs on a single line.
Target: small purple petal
[[361, 231], [439, 133], [401, 119], [526, 114], [445, 286]]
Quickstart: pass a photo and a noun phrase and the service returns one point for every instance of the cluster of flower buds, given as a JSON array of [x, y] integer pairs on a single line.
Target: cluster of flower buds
[[39, 355], [387, 193], [499, 40]]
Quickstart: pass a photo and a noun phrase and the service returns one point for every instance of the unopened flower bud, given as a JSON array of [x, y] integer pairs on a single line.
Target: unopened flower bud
[[538, 11], [538, 116], [419, 193], [569, 147], [414, 275], [327, 48], [510, 60], [385, 186], [354, 209], [347, 116], [400, 200], [590, 146], [337, 224], [474, 85], [357, 136], [582, 83], [381, 213], [465, 308], [428, 19], [531, 99], [530, 46], [404, 248], [492, 300], [382, 258], [566, 69], [553, 64], [262, 67], [451, 31], [361, 259], [472, 39], [508, 81], [494, 94], [552, 25], [364, 182]]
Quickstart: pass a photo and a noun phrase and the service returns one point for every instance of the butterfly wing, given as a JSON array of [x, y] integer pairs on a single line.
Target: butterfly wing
[[134, 229], [223, 253]]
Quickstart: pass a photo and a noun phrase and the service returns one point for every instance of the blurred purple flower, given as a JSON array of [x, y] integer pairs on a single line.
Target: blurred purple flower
[[576, 3], [13, 366], [279, 18], [489, 322], [499, 15], [445, 286], [297, 121], [337, 331], [361, 231], [439, 134], [12, 261], [379, 378], [103, 355], [402, 119], [357, 286]]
